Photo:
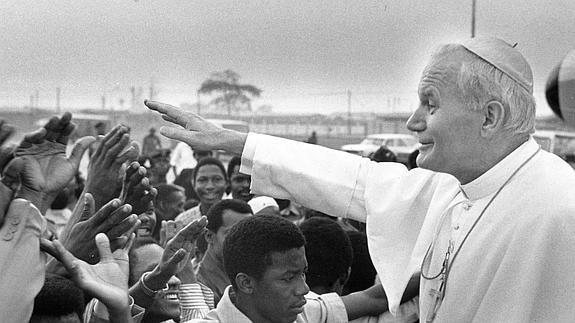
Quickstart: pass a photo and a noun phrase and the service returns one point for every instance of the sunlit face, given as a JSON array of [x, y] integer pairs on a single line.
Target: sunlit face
[[279, 294], [216, 240], [240, 185], [166, 304], [210, 184], [448, 130]]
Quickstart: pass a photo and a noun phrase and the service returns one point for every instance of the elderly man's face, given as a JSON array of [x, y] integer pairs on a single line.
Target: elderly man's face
[[448, 130]]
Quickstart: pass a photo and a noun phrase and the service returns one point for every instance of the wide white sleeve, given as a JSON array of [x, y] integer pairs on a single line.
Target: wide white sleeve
[[316, 177], [22, 264]]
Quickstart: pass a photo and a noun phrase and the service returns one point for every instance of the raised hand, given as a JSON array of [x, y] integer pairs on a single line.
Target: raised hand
[[107, 280], [113, 219], [41, 161], [198, 132], [113, 150], [136, 189], [176, 254]]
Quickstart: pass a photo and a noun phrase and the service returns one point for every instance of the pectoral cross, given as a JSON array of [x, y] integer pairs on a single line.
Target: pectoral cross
[[438, 293]]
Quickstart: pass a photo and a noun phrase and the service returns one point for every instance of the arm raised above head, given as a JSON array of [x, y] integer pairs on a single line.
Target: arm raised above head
[[197, 132]]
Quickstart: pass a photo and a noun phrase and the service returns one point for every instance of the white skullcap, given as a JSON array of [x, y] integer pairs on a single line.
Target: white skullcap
[[504, 57], [259, 203]]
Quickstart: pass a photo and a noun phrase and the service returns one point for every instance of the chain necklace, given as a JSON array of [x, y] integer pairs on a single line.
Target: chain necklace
[[446, 266]]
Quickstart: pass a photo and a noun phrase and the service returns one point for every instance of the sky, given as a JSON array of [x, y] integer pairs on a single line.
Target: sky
[[303, 54]]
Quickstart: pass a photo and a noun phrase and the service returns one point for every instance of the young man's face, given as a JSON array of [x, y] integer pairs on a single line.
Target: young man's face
[[240, 185], [216, 240], [448, 130], [210, 184], [280, 294]]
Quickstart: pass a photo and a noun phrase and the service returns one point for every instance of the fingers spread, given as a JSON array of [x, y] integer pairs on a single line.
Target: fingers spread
[[103, 214], [124, 225]]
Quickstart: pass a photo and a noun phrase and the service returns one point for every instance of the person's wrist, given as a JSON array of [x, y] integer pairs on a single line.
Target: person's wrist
[[156, 279], [117, 309]]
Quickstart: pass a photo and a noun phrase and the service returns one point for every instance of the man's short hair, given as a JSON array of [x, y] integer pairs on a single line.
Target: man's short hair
[[59, 297], [210, 161], [216, 212], [165, 190], [328, 251], [250, 243], [481, 82], [235, 161]]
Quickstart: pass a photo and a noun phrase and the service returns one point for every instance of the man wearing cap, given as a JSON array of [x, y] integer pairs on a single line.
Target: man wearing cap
[[488, 220]]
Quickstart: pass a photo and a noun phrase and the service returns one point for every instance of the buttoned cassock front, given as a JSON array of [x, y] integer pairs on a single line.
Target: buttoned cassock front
[[518, 263]]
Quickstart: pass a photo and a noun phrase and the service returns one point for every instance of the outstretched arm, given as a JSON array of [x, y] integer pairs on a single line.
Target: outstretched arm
[[174, 259], [106, 280], [196, 131], [42, 164]]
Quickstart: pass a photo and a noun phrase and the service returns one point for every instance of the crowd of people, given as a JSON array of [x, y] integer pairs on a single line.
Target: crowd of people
[[285, 231]]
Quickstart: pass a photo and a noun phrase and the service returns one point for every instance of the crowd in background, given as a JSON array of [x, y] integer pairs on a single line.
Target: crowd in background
[[141, 236]]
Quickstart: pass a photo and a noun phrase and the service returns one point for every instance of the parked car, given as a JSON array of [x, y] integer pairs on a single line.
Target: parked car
[[402, 145]]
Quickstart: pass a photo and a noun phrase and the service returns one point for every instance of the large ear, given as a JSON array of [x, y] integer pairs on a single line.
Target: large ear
[[245, 283], [495, 116]]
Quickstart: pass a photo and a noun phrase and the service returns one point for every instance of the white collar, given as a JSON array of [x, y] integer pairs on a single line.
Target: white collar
[[491, 180]]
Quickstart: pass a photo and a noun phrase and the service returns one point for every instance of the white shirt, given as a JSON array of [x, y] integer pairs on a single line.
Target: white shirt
[[515, 266], [182, 157]]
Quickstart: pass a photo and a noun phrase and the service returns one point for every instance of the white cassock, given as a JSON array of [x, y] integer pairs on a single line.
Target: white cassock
[[516, 265]]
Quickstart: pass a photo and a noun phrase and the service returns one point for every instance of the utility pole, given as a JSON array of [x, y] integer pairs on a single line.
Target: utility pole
[[133, 92], [349, 112], [152, 89], [199, 107], [58, 100], [37, 99], [103, 102], [473, 18]]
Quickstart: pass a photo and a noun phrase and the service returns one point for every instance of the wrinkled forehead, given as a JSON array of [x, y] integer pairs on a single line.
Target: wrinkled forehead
[[442, 70]]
